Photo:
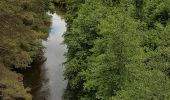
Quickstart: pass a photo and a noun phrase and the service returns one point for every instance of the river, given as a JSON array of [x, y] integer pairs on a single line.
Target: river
[[46, 79]]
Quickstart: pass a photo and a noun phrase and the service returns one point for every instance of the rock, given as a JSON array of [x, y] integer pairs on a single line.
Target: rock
[[20, 98], [1, 97], [2, 86], [43, 59]]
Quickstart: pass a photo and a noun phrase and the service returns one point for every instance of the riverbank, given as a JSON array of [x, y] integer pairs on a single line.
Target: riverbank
[[23, 25], [117, 49]]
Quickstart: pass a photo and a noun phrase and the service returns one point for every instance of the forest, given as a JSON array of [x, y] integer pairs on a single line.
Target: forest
[[23, 25], [117, 49]]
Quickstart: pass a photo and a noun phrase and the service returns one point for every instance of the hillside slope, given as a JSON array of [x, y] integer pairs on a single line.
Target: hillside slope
[[23, 25], [117, 49]]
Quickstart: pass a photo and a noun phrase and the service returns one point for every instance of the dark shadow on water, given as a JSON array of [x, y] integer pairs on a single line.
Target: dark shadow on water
[[35, 79]]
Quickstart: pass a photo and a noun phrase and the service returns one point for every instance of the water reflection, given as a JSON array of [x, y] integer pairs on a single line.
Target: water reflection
[[46, 80], [54, 53]]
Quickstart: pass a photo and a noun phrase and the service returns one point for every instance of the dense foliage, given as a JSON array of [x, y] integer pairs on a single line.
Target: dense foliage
[[117, 49], [23, 26]]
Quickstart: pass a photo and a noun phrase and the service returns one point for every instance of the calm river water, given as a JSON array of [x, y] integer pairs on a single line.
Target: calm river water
[[46, 80]]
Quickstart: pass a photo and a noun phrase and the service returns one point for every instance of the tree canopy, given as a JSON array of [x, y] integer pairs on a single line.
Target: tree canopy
[[117, 49], [23, 26]]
